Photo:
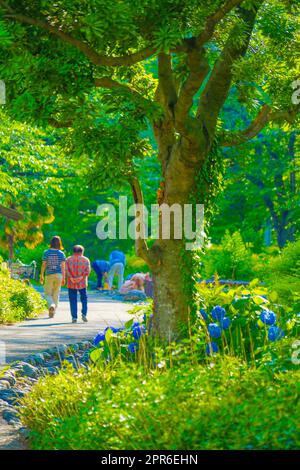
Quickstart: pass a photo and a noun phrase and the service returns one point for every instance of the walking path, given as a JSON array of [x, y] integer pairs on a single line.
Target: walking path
[[41, 333], [38, 334]]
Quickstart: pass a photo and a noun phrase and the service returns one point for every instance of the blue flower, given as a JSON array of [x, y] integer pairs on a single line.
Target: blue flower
[[275, 333], [112, 328], [214, 330], [133, 347], [203, 314], [98, 338], [218, 313], [138, 331], [268, 317], [225, 323], [211, 348]]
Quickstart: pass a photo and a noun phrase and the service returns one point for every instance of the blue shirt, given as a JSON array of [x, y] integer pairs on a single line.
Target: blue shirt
[[53, 258], [101, 265], [117, 257]]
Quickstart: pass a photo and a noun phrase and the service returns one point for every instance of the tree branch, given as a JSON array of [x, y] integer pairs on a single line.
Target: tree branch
[[10, 213], [264, 116], [107, 82], [141, 247], [91, 54], [167, 90], [199, 68], [214, 19], [218, 85]]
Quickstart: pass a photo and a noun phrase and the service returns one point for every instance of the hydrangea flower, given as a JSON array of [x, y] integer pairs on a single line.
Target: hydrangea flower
[[214, 330], [203, 314], [138, 331], [133, 347], [211, 348], [112, 328], [225, 323], [218, 313], [268, 317], [98, 338], [275, 333]]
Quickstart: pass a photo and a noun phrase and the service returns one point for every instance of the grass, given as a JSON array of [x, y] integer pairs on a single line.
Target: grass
[[224, 404]]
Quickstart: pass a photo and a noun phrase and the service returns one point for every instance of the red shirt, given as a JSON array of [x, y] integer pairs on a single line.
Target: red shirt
[[78, 266]]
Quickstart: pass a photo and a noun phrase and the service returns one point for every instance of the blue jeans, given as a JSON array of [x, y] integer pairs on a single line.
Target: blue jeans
[[73, 302]]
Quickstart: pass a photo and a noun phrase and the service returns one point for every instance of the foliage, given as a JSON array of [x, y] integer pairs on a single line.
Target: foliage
[[220, 405], [284, 274], [260, 193], [230, 260], [33, 175], [17, 300]]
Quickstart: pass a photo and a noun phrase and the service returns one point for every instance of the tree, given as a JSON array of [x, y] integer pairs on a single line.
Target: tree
[[56, 55], [30, 181], [261, 189]]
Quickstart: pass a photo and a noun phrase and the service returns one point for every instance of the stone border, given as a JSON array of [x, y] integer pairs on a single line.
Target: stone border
[[17, 380]]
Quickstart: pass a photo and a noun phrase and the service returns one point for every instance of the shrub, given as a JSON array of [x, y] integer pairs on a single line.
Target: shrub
[[221, 405], [284, 274], [230, 260], [249, 314], [18, 300]]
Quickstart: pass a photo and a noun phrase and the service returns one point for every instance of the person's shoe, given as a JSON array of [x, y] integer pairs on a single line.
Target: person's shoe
[[74, 320], [84, 319], [51, 311]]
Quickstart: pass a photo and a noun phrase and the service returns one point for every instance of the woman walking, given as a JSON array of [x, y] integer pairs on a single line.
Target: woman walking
[[53, 272]]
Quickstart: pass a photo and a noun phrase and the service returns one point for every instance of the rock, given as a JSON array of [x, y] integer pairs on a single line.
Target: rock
[[4, 404], [31, 360], [51, 370], [4, 384], [11, 416], [11, 395], [24, 432], [85, 345], [47, 356], [62, 349], [39, 359], [54, 364], [8, 377], [85, 357], [28, 370]]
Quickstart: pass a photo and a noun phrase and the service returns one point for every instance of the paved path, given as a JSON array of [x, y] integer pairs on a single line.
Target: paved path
[[41, 333]]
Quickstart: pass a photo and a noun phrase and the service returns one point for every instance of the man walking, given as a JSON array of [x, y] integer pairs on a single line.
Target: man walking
[[78, 269], [117, 263]]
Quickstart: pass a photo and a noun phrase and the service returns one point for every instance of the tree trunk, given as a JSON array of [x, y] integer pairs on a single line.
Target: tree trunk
[[10, 239], [173, 301], [174, 277], [284, 234]]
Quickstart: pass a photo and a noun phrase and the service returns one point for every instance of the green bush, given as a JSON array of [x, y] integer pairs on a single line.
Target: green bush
[[247, 336], [284, 275], [230, 260], [220, 405], [18, 300]]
